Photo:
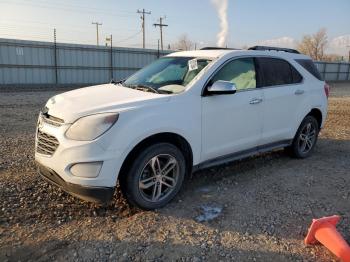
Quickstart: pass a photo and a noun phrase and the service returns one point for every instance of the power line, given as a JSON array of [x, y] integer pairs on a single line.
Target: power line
[[143, 12], [68, 9], [44, 33], [97, 24], [128, 38], [74, 6], [38, 24], [161, 25], [36, 29]]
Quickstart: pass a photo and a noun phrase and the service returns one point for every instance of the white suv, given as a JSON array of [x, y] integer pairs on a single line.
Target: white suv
[[186, 111]]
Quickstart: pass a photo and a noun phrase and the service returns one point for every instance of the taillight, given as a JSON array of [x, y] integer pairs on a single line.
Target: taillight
[[326, 89]]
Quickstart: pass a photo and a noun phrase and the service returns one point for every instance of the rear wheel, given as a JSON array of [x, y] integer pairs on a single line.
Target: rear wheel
[[305, 138], [155, 177]]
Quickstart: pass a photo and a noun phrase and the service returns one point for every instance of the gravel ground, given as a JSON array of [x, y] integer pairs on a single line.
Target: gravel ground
[[259, 208]]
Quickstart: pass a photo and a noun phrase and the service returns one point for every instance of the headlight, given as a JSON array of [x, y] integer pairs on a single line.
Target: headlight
[[91, 127]]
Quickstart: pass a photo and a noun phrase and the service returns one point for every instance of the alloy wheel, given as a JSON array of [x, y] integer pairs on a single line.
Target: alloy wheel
[[307, 138], [159, 177]]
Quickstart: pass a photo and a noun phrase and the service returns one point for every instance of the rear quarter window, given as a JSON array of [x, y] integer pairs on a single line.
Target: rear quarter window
[[310, 67], [275, 71]]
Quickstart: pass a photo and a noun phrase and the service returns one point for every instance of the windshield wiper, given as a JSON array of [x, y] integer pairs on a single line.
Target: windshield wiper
[[117, 82], [143, 88]]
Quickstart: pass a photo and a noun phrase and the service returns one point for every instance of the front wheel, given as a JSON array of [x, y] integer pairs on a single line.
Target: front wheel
[[155, 176], [305, 138]]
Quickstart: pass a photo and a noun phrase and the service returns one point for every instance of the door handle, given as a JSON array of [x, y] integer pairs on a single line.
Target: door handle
[[255, 101], [299, 92]]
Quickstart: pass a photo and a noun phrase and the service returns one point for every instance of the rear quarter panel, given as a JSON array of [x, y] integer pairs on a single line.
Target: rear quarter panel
[[314, 98]]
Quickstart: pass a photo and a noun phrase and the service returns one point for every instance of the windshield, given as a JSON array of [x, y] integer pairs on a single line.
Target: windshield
[[167, 75]]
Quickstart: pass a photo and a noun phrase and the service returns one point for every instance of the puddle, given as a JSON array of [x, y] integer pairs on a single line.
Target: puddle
[[208, 212], [205, 189]]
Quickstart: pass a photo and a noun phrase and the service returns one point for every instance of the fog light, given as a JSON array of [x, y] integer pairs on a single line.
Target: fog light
[[91, 169]]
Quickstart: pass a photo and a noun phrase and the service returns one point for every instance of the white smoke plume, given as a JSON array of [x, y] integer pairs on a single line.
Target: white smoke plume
[[221, 8]]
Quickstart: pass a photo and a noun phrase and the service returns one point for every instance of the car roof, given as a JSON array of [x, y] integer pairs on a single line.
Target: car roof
[[202, 53], [216, 53]]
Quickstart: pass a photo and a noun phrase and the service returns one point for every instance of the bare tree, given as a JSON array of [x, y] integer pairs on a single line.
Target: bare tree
[[333, 58], [314, 45], [183, 43]]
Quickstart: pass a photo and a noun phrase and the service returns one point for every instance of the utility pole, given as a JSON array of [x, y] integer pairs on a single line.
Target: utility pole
[[160, 24], [143, 12], [97, 24]]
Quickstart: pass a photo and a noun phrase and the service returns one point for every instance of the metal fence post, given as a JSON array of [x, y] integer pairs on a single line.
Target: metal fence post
[[111, 58], [347, 77], [338, 71], [55, 56], [158, 55]]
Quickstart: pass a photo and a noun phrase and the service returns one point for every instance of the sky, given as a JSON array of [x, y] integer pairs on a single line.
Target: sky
[[250, 22]]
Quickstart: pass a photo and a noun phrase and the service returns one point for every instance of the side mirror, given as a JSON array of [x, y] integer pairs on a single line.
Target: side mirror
[[222, 87]]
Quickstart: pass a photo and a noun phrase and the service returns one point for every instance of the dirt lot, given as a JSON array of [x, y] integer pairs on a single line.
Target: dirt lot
[[266, 202]]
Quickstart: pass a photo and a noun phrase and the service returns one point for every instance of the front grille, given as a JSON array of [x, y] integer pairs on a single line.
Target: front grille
[[46, 144], [51, 120]]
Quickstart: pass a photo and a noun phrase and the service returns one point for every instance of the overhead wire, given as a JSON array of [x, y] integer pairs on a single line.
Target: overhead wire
[[65, 9], [57, 25], [8, 28], [128, 38], [95, 9]]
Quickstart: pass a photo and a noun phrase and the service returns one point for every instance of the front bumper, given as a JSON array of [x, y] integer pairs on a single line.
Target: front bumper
[[69, 153], [88, 193]]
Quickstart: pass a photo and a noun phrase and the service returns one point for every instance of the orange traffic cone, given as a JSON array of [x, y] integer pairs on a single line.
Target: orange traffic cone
[[323, 230]]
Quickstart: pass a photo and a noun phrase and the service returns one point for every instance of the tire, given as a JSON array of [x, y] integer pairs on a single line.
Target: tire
[[305, 139], [149, 184]]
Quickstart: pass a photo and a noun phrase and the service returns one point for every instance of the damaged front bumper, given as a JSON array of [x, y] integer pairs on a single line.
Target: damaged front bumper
[[98, 195]]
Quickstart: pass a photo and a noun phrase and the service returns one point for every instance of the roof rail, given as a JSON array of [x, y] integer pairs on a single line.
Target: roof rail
[[217, 48], [271, 48]]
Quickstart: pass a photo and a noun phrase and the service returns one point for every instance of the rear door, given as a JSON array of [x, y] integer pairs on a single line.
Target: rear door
[[283, 94]]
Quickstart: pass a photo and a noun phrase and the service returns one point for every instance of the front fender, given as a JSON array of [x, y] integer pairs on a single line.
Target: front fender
[[137, 124]]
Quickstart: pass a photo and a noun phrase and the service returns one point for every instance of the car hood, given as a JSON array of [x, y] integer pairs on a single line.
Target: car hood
[[72, 105]]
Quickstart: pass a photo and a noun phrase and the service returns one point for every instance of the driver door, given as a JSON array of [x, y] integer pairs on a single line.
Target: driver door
[[232, 123]]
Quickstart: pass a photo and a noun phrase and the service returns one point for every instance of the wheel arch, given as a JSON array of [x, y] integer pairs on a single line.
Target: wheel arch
[[317, 114], [165, 137]]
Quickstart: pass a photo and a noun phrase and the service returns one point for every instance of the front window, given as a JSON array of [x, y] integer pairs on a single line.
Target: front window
[[240, 72], [167, 75]]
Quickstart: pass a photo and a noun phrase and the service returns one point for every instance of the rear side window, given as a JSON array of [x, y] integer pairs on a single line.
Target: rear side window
[[310, 66], [274, 71]]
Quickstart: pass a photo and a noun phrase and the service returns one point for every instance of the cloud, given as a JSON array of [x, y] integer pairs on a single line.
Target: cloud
[[339, 45], [284, 41], [340, 41]]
